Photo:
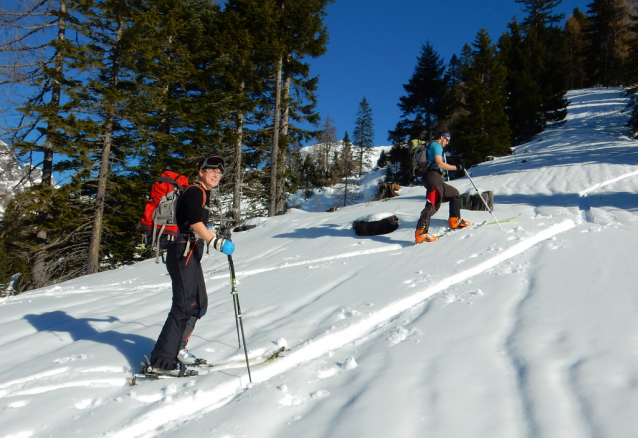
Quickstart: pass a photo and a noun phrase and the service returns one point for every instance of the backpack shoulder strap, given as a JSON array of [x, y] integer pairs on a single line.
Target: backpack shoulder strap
[[201, 188]]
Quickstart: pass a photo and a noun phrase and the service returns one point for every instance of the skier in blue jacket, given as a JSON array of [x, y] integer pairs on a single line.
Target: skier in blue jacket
[[438, 191]]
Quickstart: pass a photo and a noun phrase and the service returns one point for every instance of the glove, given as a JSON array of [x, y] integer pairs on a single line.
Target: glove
[[460, 167], [222, 245]]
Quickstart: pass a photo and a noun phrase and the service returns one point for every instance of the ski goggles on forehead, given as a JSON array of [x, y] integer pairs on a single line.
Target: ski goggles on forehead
[[213, 162], [445, 134]]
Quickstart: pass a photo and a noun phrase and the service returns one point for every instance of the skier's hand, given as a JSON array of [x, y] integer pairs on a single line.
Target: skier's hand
[[222, 245], [460, 167]]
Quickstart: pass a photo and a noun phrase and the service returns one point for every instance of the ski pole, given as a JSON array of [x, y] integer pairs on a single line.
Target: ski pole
[[239, 322], [226, 233], [481, 196]]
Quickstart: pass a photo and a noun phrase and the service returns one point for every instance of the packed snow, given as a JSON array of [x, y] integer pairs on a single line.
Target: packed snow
[[529, 331]]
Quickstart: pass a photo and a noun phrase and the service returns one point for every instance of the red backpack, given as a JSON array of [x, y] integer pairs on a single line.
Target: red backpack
[[158, 221]]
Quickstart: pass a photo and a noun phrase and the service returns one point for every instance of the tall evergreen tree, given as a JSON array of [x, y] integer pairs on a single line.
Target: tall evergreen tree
[[453, 99], [632, 73], [484, 130], [632, 60], [108, 30], [540, 13], [574, 29], [35, 58], [346, 165], [421, 109], [608, 41], [363, 134], [324, 152], [535, 55], [300, 32]]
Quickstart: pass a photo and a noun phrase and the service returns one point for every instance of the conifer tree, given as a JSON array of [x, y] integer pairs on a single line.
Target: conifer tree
[[398, 168], [575, 37], [300, 32], [421, 108], [180, 114], [346, 166], [452, 101], [632, 74], [34, 57], [608, 41], [534, 53], [242, 38], [363, 134], [107, 27], [324, 152], [484, 130]]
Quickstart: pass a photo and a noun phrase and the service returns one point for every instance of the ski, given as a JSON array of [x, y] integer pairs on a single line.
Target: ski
[[451, 230], [263, 359], [500, 222], [146, 372]]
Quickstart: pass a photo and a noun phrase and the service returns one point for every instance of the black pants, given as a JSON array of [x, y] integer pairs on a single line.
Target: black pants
[[433, 181], [190, 302]]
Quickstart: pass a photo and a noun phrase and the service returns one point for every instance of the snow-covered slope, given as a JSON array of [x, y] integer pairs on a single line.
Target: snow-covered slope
[[527, 332]]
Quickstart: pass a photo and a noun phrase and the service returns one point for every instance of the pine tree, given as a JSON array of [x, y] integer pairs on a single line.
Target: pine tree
[[363, 134], [608, 41], [300, 32], [540, 13], [535, 55], [346, 165], [179, 108], [35, 57], [453, 99], [398, 168], [632, 74], [421, 109], [324, 152], [484, 130], [574, 30]]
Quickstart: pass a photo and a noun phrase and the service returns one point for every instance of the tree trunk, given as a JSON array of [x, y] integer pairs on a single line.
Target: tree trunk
[[100, 198], [237, 177], [96, 234], [38, 270], [274, 159], [285, 117]]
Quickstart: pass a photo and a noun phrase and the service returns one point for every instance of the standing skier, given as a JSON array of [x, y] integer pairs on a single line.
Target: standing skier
[[437, 190], [190, 300]]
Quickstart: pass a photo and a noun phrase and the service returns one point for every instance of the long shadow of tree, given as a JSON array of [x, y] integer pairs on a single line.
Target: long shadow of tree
[[130, 346]]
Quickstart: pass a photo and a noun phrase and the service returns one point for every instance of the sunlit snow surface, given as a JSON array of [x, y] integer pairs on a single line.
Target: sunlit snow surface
[[527, 332]]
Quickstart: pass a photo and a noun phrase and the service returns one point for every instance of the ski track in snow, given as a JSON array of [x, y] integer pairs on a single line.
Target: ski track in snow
[[308, 262], [606, 183], [203, 401], [583, 203]]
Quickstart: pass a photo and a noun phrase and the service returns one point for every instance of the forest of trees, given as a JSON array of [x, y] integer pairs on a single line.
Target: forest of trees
[[496, 95], [110, 93]]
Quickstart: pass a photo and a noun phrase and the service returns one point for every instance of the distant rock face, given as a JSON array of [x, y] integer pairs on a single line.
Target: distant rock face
[[14, 177]]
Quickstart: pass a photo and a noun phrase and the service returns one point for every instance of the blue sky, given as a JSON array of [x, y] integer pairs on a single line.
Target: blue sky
[[374, 45]]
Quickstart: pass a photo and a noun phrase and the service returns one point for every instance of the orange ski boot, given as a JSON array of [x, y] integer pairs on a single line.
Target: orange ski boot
[[420, 236], [457, 222]]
